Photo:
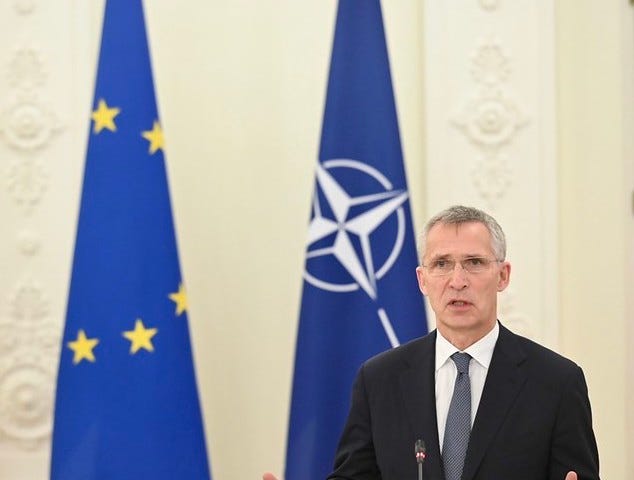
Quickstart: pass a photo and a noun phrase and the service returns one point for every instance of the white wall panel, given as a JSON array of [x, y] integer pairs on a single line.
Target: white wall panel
[[490, 134], [45, 80]]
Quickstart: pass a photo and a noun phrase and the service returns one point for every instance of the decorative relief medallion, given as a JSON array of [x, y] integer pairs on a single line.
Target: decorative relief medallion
[[29, 346], [27, 181], [26, 403], [490, 121], [28, 125], [26, 70]]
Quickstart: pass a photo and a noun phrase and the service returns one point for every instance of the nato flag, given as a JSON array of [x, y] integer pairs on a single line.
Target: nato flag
[[360, 294], [127, 405]]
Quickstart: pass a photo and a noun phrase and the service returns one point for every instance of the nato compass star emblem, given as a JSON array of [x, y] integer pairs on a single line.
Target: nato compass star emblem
[[342, 248]]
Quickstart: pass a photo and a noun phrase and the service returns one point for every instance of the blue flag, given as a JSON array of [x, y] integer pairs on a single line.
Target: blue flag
[[127, 405], [360, 293]]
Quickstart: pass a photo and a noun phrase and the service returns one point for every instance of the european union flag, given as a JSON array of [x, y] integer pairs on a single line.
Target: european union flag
[[360, 292], [127, 405]]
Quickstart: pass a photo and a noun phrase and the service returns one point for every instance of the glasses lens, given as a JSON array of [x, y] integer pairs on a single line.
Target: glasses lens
[[442, 267], [471, 265]]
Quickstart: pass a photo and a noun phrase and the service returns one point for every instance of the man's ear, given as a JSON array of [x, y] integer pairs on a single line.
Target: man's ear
[[504, 276], [422, 280]]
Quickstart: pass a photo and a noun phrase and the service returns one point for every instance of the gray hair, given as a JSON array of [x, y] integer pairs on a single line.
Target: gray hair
[[459, 214]]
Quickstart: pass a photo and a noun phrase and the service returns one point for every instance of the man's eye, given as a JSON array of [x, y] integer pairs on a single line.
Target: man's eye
[[475, 261], [441, 264]]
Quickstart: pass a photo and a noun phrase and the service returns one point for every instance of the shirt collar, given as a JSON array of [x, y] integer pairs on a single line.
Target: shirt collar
[[481, 351]]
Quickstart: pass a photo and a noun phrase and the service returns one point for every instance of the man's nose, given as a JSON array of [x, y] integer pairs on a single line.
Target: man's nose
[[458, 277]]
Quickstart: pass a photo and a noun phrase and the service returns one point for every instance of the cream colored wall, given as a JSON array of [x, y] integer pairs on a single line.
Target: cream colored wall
[[596, 210], [627, 24], [241, 88]]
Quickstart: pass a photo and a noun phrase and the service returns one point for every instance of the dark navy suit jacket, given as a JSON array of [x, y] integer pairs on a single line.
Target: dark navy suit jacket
[[533, 421]]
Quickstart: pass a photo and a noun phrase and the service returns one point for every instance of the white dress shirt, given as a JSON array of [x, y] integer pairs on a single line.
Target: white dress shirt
[[446, 372]]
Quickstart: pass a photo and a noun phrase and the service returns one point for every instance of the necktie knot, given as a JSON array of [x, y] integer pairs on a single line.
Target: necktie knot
[[462, 361]]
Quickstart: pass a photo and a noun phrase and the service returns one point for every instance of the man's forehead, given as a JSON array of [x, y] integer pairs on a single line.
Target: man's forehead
[[460, 229], [458, 239]]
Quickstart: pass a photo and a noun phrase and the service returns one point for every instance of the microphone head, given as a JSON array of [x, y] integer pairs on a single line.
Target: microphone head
[[420, 451]]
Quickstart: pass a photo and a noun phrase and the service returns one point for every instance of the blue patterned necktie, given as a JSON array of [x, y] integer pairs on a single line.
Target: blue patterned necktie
[[458, 427]]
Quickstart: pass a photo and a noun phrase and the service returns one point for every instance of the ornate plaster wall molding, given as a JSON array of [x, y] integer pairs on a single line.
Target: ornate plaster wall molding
[[28, 242], [489, 5], [492, 176], [29, 338], [26, 403], [489, 65], [510, 315], [27, 124], [24, 7], [26, 69], [26, 182], [491, 78], [490, 120], [29, 343]]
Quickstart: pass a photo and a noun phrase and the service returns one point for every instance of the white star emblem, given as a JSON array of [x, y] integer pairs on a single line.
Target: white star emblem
[[360, 266]]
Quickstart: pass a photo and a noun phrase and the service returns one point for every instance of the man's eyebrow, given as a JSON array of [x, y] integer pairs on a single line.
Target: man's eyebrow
[[443, 256]]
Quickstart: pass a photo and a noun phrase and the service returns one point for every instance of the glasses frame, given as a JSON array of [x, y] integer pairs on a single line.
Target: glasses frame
[[486, 264]]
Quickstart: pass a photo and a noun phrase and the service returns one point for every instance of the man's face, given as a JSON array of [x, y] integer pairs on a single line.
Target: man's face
[[465, 303]]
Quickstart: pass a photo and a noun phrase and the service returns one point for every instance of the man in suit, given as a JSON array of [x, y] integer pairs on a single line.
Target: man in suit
[[513, 410]]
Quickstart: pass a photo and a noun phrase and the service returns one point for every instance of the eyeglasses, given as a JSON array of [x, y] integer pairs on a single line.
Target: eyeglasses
[[446, 266]]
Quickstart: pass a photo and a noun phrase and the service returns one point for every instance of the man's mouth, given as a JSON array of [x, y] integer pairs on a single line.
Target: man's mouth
[[458, 303]]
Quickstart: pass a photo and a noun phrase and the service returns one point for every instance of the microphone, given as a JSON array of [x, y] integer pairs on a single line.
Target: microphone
[[421, 453]]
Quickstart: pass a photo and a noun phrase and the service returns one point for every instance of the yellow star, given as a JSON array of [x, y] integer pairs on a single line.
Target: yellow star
[[155, 136], [83, 347], [104, 117], [180, 298], [140, 337]]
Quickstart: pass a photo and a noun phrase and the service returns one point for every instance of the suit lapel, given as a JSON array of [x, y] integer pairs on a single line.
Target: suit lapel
[[418, 388], [503, 383]]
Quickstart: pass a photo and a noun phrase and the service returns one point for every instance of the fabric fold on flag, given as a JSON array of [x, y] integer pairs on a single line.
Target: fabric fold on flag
[[127, 404], [360, 294]]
